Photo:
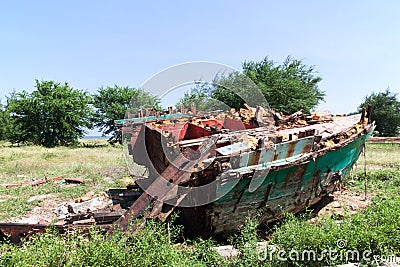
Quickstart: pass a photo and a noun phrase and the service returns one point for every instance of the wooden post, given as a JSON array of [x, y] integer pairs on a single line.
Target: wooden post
[[362, 115], [193, 108], [369, 113], [365, 174]]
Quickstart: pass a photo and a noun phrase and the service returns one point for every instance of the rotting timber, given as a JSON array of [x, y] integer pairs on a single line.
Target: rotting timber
[[252, 160], [256, 160]]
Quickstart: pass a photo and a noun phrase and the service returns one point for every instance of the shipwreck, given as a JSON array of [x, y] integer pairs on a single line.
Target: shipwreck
[[217, 168]]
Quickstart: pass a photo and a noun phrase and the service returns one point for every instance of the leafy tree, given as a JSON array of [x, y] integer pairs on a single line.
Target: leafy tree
[[112, 103], [201, 96], [386, 112], [53, 114], [287, 88], [4, 122], [236, 89]]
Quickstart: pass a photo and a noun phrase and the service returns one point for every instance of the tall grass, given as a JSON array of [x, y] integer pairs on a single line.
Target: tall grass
[[382, 156], [152, 246]]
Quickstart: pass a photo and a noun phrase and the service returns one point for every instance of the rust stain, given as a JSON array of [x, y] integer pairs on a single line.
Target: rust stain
[[254, 158], [290, 149]]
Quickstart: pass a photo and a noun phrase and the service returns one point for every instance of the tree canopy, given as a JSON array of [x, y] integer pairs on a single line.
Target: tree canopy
[[4, 122], [201, 94], [386, 112], [112, 103], [53, 114], [287, 88]]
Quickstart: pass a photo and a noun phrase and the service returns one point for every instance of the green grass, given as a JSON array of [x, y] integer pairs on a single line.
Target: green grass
[[32, 162], [375, 229], [94, 160], [382, 156], [152, 246]]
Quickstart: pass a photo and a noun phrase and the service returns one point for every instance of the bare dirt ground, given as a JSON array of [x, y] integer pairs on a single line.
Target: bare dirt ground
[[340, 203]]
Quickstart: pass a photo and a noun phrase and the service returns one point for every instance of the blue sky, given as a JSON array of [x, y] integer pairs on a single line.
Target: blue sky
[[354, 45]]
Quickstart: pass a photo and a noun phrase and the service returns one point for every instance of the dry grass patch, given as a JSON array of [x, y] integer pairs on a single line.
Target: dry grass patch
[[101, 165], [382, 156]]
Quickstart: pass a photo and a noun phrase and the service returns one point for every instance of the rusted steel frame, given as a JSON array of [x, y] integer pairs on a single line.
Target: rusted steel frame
[[122, 194], [34, 182], [107, 217], [175, 175], [30, 183], [15, 231]]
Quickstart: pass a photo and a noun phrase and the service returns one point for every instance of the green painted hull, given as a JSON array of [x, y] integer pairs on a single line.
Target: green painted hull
[[289, 188], [242, 168]]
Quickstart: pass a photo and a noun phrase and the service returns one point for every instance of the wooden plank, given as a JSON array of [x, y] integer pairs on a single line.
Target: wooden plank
[[384, 140]]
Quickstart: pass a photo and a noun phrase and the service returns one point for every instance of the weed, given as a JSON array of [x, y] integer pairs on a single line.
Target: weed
[[149, 247]]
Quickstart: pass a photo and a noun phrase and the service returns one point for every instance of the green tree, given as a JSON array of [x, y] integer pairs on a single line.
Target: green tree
[[236, 89], [112, 103], [287, 88], [386, 112], [4, 122], [201, 96], [53, 114]]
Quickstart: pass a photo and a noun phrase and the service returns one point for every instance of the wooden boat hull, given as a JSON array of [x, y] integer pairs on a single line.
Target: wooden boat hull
[[255, 166], [291, 188], [254, 169]]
